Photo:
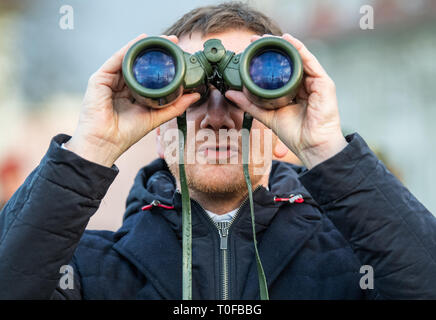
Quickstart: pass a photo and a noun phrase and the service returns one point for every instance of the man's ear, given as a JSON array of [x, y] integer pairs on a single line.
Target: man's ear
[[159, 144], [280, 150]]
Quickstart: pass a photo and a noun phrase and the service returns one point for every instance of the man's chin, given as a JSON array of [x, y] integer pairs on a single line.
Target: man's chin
[[216, 178]]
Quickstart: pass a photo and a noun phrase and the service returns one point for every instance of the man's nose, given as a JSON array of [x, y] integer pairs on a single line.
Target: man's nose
[[218, 114]]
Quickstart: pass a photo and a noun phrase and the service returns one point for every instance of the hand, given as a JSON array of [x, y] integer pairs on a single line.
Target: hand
[[109, 122], [311, 127]]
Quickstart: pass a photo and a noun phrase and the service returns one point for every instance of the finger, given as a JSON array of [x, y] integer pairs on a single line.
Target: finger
[[310, 64], [174, 110], [239, 98], [123, 93], [119, 83], [172, 38], [302, 93], [254, 38], [114, 63]]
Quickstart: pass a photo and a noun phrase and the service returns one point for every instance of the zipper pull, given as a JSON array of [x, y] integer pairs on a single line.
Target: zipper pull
[[223, 229]]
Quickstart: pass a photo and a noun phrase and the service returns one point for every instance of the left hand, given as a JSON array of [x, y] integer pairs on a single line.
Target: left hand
[[311, 127]]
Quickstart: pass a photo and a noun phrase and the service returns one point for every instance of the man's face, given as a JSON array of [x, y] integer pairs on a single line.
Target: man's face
[[217, 165]]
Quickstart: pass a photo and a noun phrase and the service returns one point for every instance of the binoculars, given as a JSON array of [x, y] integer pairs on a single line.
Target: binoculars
[[158, 72]]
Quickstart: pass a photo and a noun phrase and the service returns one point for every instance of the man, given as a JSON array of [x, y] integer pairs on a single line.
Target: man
[[354, 214]]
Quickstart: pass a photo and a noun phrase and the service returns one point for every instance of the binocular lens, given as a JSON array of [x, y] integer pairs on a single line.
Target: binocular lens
[[270, 70], [154, 69]]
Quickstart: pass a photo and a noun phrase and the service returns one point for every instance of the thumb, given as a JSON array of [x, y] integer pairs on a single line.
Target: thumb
[[242, 102], [237, 97], [173, 110]]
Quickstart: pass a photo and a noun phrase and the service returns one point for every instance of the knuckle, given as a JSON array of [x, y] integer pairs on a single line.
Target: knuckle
[[92, 78], [299, 45], [331, 84], [309, 83]]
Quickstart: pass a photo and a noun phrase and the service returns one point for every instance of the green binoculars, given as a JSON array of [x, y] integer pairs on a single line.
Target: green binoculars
[[158, 72]]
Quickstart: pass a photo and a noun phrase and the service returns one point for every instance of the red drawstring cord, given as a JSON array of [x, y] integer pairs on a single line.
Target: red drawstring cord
[[292, 199], [156, 203]]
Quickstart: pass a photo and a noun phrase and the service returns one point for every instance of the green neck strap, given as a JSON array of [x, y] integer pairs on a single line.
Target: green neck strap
[[186, 215], [246, 124], [186, 209]]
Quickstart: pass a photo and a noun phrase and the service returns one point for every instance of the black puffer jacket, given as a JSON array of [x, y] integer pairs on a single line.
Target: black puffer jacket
[[355, 213]]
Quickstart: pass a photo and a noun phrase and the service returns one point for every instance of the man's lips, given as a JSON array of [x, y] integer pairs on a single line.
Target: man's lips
[[217, 151]]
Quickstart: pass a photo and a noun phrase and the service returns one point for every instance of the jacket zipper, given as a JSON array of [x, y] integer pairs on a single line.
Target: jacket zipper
[[223, 231]]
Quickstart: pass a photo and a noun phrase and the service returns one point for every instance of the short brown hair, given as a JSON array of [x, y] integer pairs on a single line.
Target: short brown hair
[[223, 17]]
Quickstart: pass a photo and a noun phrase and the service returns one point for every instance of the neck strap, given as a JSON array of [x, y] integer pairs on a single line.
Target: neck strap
[[246, 127]]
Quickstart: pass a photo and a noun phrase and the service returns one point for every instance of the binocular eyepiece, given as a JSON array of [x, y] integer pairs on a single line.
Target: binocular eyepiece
[[158, 72]]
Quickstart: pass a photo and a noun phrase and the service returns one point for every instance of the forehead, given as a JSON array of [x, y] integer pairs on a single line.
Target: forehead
[[234, 40]]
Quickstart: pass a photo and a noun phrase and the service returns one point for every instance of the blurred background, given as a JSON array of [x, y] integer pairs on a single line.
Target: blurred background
[[385, 78]]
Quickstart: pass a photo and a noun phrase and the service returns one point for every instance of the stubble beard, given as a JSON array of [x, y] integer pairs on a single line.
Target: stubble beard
[[217, 179]]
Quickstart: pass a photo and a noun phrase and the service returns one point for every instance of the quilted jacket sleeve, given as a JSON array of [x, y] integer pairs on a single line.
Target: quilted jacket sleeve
[[42, 223], [387, 227]]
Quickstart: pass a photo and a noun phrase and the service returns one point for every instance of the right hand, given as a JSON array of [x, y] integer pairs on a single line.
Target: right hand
[[109, 122]]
